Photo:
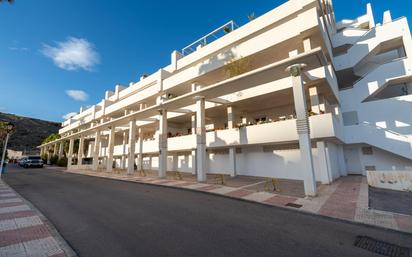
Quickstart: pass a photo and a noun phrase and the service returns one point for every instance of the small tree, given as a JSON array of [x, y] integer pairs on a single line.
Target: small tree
[[237, 67], [51, 137]]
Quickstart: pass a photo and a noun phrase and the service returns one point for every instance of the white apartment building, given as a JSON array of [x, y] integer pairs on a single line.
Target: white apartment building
[[292, 94]]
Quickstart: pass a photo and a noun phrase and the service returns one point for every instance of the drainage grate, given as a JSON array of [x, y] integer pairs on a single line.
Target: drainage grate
[[382, 248], [294, 205]]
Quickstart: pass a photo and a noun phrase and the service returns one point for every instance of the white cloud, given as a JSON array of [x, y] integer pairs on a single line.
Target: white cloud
[[78, 95], [72, 54], [69, 115]]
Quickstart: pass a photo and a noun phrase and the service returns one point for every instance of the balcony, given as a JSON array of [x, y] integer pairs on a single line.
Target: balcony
[[321, 126]]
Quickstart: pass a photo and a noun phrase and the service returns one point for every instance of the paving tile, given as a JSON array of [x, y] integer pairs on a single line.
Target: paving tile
[[14, 250], [17, 223], [8, 195], [18, 214], [23, 207], [185, 184], [208, 188], [47, 246], [404, 222], [3, 205], [377, 218], [11, 200], [239, 193], [23, 234], [280, 200], [195, 186], [223, 190], [259, 196]]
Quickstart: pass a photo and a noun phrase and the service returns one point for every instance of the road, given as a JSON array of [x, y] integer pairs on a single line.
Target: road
[[100, 217]]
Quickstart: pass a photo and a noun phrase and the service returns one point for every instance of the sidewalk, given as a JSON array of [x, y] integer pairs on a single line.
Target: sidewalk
[[346, 198], [24, 231]]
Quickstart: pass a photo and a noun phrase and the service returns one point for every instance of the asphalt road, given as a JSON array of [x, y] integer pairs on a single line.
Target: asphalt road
[[100, 217]]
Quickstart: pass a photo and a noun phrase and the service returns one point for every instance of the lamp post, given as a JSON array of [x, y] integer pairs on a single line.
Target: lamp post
[[7, 128]]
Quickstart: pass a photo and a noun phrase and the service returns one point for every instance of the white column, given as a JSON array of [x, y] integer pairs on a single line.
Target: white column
[[109, 164], [302, 125], [324, 171], [81, 150], [140, 144], [132, 146], [232, 161], [96, 150], [193, 156], [193, 119], [162, 143], [70, 154], [55, 149], [48, 154], [41, 151], [230, 117], [200, 139], [314, 100], [123, 161], [61, 149]]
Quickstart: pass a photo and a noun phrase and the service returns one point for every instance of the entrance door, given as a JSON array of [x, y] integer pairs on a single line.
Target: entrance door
[[352, 160]]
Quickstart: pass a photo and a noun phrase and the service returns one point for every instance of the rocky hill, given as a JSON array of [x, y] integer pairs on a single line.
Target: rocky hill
[[29, 132]]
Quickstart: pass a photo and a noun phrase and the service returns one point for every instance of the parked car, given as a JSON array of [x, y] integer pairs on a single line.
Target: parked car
[[31, 161]]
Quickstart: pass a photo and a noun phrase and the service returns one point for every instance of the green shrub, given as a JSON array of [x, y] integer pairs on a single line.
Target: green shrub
[[54, 159], [62, 162], [44, 157]]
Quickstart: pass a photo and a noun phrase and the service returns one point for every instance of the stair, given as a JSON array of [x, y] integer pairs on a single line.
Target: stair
[[379, 137], [371, 43]]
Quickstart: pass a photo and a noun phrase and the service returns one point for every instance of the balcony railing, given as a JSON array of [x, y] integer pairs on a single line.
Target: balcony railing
[[212, 36]]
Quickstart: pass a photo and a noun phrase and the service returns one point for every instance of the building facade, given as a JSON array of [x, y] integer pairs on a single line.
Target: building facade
[[291, 94]]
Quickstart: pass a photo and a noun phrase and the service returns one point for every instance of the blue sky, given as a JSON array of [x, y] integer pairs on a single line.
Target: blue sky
[[58, 55]]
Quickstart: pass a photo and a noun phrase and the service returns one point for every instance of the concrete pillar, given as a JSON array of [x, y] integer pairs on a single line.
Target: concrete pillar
[[96, 150], [70, 154], [48, 155], [140, 145], [132, 146], [193, 156], [302, 126], [41, 151], [230, 117], [314, 100], [80, 153], [109, 163], [61, 149], [200, 139], [324, 167], [175, 162], [123, 160], [193, 117], [55, 149], [232, 161], [341, 159], [162, 143]]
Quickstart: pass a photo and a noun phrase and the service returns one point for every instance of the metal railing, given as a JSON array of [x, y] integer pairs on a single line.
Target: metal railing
[[215, 34]]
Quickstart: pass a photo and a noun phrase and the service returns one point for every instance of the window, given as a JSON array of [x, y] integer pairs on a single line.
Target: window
[[370, 167], [367, 150], [350, 118]]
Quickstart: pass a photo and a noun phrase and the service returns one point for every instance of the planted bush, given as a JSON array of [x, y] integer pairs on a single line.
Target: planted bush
[[54, 159], [62, 162]]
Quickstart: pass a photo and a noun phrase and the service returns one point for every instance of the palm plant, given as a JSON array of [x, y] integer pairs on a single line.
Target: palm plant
[[6, 129]]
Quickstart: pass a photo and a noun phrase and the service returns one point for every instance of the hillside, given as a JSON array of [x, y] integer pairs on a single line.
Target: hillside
[[29, 132]]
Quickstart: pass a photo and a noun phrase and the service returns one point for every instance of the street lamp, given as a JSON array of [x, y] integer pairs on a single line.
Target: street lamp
[[8, 128]]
